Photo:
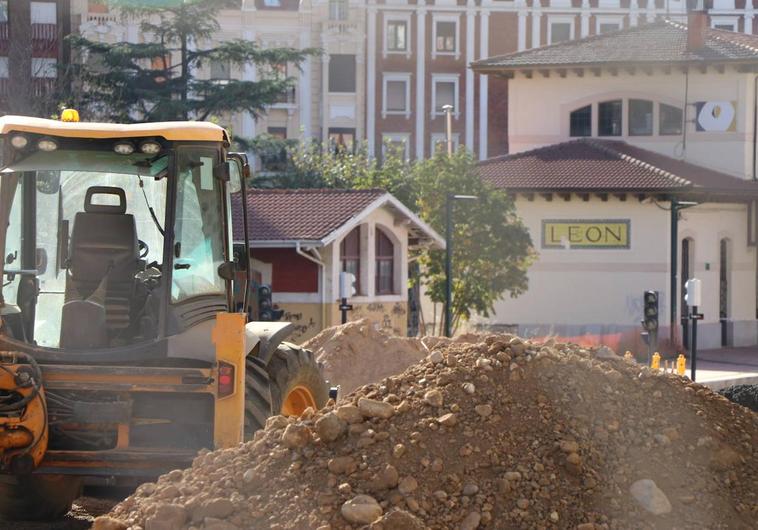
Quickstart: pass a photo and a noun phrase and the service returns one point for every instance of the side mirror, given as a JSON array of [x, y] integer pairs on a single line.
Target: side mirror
[[226, 270], [235, 175]]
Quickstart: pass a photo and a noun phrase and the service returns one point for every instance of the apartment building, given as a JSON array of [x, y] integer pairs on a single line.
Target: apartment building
[[389, 66], [31, 48]]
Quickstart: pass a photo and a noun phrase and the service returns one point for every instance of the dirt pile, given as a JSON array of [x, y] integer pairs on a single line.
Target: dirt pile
[[498, 434], [356, 354], [745, 395]]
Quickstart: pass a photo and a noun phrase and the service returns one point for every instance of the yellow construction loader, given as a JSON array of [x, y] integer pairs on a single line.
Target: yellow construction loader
[[123, 347]]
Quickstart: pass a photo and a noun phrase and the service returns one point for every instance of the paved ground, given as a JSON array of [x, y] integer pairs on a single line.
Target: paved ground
[[726, 367]]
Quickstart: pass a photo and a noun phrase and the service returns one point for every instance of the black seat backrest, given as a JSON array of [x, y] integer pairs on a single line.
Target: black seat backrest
[[104, 237]]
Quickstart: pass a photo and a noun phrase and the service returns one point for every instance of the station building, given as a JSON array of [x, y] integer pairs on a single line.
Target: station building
[[633, 164]]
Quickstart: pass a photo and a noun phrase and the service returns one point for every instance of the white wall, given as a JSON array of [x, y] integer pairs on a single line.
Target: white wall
[[539, 108]]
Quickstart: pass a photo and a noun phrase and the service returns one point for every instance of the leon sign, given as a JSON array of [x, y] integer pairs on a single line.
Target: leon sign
[[586, 233]]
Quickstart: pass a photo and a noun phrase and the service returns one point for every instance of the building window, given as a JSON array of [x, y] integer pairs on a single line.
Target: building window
[[725, 23], [640, 117], [272, 3], [342, 140], [670, 120], [439, 142], [609, 119], [398, 143], [446, 36], [580, 122], [3, 11], [397, 36], [338, 10], [3, 68], [44, 67], [445, 92], [385, 264], [342, 73], [397, 94], [44, 13], [350, 254], [221, 70], [275, 159], [560, 30]]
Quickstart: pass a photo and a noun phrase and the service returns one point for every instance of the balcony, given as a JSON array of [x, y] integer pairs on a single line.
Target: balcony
[[286, 99], [45, 32], [341, 27], [43, 86]]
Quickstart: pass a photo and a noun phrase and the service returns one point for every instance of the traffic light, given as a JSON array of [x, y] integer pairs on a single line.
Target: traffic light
[[692, 292], [266, 310], [650, 321], [347, 285]]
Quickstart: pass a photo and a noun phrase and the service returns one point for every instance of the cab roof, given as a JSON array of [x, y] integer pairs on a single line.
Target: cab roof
[[190, 131]]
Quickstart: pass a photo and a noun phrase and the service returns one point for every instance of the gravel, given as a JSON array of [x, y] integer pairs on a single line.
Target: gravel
[[527, 436]]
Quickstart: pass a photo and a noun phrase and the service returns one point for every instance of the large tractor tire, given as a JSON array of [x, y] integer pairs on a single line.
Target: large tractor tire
[[37, 497], [294, 382]]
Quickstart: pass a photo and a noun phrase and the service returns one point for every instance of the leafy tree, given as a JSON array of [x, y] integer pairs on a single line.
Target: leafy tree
[[156, 80], [492, 248]]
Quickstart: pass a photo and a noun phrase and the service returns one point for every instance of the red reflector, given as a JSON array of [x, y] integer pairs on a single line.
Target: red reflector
[[225, 380]]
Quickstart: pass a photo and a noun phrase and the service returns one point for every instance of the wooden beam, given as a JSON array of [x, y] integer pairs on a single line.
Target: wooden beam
[[545, 73], [585, 196], [641, 197], [720, 68], [596, 71], [547, 196], [620, 196], [614, 71], [505, 75], [527, 73], [648, 70], [529, 197], [602, 196], [631, 70], [667, 70], [703, 68], [562, 72], [579, 72], [565, 196]]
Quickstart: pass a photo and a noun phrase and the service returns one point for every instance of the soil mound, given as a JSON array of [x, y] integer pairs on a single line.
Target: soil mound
[[356, 354], [497, 434], [745, 395]]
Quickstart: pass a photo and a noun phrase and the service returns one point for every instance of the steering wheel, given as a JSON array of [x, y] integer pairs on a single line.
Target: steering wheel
[[143, 248]]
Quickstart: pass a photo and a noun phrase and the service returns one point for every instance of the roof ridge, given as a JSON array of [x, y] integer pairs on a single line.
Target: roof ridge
[[324, 191], [521, 154], [604, 145], [721, 35]]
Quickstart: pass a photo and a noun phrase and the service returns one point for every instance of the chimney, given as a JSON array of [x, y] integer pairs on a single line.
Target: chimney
[[697, 25]]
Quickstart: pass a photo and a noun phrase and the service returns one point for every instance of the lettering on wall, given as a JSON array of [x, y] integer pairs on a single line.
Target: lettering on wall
[[715, 116], [586, 233]]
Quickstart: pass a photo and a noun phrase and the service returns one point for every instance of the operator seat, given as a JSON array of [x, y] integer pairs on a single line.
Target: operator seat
[[103, 260]]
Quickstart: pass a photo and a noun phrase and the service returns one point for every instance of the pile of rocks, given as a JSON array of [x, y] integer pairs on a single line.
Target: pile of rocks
[[497, 434]]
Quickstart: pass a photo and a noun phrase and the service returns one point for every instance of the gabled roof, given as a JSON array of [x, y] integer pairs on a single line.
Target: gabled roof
[[606, 166], [657, 43], [317, 217]]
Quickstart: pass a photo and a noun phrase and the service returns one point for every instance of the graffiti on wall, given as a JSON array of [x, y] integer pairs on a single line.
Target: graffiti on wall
[[390, 317]]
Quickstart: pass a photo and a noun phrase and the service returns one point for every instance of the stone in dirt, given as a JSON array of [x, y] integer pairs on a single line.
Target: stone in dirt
[[398, 520], [329, 427], [296, 436], [370, 408], [105, 522], [167, 517], [650, 497], [471, 521], [362, 509]]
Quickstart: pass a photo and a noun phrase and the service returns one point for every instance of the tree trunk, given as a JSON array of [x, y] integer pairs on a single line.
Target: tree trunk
[[20, 57]]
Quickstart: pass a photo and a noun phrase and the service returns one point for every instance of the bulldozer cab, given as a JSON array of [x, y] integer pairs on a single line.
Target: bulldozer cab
[[116, 237]]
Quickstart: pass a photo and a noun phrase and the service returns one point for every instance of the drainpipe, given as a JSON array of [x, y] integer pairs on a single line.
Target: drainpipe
[[322, 266], [755, 125], [674, 269]]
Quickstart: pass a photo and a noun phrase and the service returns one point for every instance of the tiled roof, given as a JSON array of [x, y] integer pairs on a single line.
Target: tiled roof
[[662, 42], [606, 165], [298, 215]]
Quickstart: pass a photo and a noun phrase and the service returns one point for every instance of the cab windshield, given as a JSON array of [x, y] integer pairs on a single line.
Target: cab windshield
[[86, 227]]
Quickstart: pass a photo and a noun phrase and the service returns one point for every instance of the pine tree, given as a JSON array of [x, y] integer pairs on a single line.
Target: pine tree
[[157, 80]]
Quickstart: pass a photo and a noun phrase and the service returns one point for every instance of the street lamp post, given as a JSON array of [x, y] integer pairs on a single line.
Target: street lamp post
[[449, 258], [448, 110]]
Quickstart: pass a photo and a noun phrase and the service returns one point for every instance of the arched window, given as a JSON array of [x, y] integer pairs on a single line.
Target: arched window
[[609, 120], [350, 254], [580, 122], [385, 264], [640, 117], [670, 120]]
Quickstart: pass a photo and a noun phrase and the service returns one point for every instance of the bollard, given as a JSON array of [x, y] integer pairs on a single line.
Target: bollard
[[628, 355], [681, 364], [656, 363]]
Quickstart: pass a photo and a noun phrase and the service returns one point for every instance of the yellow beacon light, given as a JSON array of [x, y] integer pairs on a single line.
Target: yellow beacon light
[[70, 115]]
